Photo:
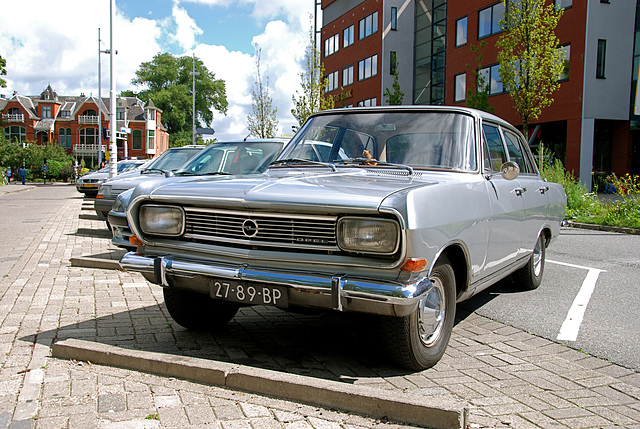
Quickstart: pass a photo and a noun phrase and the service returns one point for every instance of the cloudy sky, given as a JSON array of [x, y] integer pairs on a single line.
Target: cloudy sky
[[56, 42]]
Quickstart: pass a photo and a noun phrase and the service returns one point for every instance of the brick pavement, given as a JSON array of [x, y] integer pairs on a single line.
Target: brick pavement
[[508, 378]]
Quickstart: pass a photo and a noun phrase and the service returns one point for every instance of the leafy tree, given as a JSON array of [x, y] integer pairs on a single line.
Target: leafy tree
[[396, 97], [262, 122], [3, 72], [167, 81], [478, 98], [313, 82], [529, 57]]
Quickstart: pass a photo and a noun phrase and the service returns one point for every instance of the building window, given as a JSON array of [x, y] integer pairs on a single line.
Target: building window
[[347, 75], [65, 113], [461, 31], [151, 135], [566, 55], [46, 112], [369, 102], [151, 115], [347, 36], [491, 77], [368, 67], [602, 56], [89, 137], [368, 25], [137, 140], [489, 20], [393, 62], [394, 18], [563, 4], [460, 87], [64, 137], [15, 133], [120, 114], [331, 45], [332, 81]]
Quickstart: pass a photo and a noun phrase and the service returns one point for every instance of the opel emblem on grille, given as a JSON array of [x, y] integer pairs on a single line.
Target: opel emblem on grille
[[249, 228]]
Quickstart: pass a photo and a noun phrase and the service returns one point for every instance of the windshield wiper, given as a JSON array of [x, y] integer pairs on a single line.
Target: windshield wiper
[[153, 170], [302, 161], [369, 161], [185, 173], [216, 173]]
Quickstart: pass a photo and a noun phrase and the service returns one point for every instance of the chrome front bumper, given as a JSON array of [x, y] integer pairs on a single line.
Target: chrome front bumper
[[305, 289]]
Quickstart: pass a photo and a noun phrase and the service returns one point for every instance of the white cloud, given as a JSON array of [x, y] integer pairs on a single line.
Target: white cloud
[[40, 51]]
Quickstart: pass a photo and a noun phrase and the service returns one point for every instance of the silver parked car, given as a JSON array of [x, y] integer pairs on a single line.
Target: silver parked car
[[161, 166], [397, 212], [89, 183], [222, 158]]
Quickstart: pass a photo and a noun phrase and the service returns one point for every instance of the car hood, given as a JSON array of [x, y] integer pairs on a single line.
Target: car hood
[[354, 188]]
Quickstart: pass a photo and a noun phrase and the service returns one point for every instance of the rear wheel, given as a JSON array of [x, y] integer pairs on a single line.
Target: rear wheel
[[529, 277], [418, 341], [197, 311]]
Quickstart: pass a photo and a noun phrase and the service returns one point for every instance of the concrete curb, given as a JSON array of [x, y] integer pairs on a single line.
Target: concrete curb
[[88, 262], [596, 227], [373, 402]]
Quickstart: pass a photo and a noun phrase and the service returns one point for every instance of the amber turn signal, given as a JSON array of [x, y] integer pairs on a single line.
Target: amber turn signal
[[135, 240], [414, 265]]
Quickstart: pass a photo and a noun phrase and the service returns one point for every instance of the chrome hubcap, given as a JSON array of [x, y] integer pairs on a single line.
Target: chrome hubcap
[[431, 314], [537, 258]]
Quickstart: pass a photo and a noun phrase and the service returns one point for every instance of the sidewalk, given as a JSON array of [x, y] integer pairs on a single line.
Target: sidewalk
[[506, 378]]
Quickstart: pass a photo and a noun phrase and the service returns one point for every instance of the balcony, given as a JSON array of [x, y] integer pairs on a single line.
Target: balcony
[[88, 148], [88, 119], [18, 117]]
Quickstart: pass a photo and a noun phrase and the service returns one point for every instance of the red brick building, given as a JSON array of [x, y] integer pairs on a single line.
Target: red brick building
[[590, 125], [74, 122]]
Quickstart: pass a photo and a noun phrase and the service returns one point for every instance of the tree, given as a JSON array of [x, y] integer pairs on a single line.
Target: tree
[[313, 84], [3, 72], [478, 98], [262, 122], [530, 60], [167, 81], [396, 97]]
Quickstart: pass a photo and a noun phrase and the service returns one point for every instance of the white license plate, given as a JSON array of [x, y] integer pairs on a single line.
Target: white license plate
[[249, 293]]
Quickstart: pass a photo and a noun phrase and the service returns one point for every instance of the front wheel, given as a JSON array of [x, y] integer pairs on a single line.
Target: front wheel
[[197, 311], [529, 277], [418, 341]]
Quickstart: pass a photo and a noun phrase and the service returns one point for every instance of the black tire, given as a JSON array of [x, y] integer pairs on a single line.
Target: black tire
[[529, 277], [418, 341], [197, 311]]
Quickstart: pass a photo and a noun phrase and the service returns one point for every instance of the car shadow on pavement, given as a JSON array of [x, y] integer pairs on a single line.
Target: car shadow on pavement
[[339, 347], [93, 233]]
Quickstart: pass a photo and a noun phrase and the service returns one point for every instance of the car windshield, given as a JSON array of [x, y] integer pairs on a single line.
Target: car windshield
[[122, 167], [233, 158], [172, 159], [422, 140]]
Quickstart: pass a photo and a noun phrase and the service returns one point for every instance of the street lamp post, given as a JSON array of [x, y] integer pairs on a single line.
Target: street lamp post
[[194, 73], [100, 51], [113, 148]]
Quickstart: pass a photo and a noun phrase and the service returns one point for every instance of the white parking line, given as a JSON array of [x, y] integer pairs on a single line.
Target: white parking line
[[571, 325]]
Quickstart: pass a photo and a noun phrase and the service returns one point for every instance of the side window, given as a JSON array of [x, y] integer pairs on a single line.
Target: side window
[[514, 146], [495, 154]]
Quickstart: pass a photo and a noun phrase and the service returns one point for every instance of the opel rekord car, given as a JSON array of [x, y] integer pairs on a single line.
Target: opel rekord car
[[395, 212], [222, 158]]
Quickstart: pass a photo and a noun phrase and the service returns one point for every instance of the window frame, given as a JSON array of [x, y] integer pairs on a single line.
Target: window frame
[[457, 79], [348, 36], [332, 81], [331, 44], [349, 70], [394, 18], [488, 79], [135, 140], [493, 21], [368, 25], [372, 68], [601, 59], [466, 35]]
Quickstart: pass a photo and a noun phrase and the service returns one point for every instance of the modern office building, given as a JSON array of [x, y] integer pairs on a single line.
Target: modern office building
[[77, 123], [590, 126]]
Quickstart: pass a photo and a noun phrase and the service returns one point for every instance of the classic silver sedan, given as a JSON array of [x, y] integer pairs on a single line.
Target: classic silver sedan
[[397, 212]]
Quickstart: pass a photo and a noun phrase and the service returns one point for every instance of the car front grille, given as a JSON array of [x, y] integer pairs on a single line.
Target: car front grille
[[273, 230]]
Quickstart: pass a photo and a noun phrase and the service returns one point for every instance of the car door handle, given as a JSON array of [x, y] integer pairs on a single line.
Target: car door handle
[[520, 191], [543, 189]]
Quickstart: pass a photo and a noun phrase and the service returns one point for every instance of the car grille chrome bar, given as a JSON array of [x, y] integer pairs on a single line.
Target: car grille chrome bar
[[299, 231]]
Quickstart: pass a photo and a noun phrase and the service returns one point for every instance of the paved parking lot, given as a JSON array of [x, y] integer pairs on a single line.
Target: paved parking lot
[[506, 378]]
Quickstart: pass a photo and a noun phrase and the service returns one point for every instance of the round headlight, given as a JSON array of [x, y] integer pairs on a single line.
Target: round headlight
[[367, 235], [161, 220]]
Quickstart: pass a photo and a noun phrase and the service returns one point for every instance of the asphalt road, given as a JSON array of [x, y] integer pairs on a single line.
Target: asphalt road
[[588, 298]]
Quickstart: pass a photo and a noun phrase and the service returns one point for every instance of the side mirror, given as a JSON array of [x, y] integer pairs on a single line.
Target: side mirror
[[510, 170]]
